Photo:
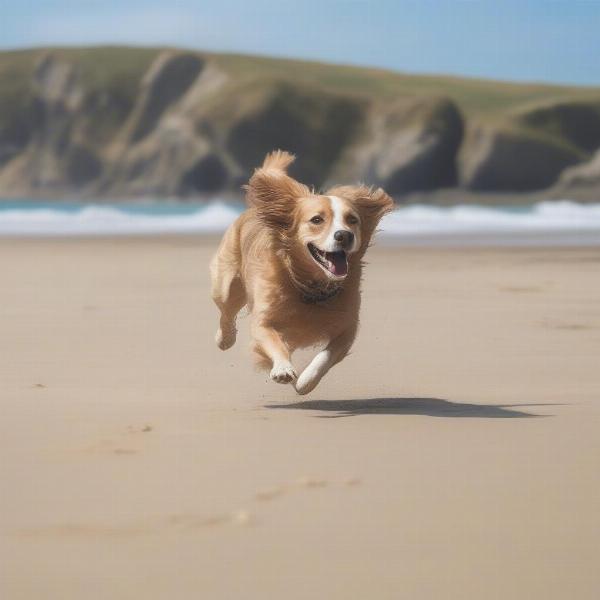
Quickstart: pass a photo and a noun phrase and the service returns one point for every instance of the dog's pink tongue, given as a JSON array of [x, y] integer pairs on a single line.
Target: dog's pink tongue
[[339, 263]]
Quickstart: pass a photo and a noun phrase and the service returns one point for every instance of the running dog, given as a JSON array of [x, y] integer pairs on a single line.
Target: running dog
[[294, 257]]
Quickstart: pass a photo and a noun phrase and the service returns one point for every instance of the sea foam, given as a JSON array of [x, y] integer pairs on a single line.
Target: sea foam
[[95, 219], [542, 217], [412, 222]]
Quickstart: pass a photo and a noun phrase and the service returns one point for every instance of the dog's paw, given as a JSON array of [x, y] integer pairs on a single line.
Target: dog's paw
[[283, 372], [225, 339], [306, 383]]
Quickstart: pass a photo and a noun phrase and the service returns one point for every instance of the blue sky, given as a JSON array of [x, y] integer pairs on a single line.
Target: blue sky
[[531, 40]]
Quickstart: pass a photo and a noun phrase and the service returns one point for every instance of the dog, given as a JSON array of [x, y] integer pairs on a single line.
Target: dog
[[294, 257]]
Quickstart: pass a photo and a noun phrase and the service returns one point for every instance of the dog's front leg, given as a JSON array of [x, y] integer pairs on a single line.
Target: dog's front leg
[[335, 351], [270, 345]]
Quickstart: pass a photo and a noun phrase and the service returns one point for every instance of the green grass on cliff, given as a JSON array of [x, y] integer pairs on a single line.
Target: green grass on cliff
[[475, 97], [16, 70], [119, 71]]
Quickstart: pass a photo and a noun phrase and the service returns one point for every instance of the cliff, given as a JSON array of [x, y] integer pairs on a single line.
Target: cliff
[[116, 123]]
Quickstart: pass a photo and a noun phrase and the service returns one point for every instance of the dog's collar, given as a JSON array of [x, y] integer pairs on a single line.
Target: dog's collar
[[315, 293]]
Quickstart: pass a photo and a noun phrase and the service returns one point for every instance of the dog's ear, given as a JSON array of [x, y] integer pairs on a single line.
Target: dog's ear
[[374, 204], [371, 204], [273, 192]]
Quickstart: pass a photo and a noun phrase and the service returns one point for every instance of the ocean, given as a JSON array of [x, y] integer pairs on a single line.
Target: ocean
[[553, 222]]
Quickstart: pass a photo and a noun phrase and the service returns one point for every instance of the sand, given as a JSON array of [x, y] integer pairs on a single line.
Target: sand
[[454, 454]]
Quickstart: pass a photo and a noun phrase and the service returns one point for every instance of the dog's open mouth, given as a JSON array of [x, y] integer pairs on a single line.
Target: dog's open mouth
[[335, 263]]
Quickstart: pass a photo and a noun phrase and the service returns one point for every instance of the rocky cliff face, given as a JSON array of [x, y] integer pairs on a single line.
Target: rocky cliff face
[[585, 175], [123, 123], [502, 158]]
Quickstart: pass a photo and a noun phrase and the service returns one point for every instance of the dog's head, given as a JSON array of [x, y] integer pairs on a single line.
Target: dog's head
[[321, 234]]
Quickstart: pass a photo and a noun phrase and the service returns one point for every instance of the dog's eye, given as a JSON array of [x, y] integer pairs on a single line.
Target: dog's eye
[[352, 220], [317, 220]]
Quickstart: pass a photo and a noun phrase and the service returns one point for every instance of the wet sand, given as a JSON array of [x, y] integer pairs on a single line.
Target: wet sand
[[454, 454]]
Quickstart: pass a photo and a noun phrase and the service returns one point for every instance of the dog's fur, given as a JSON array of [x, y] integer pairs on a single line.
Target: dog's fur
[[296, 297]]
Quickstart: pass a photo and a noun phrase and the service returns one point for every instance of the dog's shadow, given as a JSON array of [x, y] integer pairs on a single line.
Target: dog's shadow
[[429, 407]]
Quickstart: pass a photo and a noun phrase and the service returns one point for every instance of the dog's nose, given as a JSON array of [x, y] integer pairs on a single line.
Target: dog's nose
[[345, 238]]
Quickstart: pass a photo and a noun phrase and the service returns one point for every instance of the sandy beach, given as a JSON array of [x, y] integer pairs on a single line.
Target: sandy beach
[[454, 454]]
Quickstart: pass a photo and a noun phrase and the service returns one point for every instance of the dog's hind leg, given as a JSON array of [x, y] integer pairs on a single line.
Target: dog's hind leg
[[228, 291], [230, 303]]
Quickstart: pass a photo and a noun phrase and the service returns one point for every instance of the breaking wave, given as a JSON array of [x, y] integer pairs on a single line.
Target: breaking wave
[[411, 222]]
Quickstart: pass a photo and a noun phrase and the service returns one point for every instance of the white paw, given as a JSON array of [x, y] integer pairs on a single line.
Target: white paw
[[283, 372], [225, 339], [307, 382]]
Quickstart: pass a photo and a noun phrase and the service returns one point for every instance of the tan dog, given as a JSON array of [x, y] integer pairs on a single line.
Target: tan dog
[[295, 258]]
